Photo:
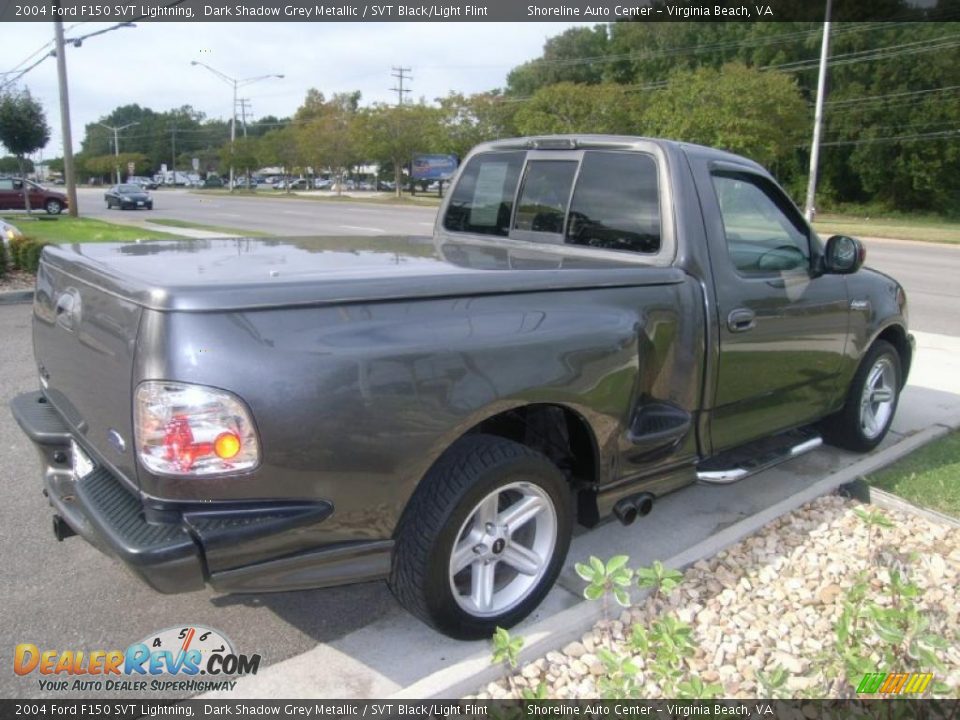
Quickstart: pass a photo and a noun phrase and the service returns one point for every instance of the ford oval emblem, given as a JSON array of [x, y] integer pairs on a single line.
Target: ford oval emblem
[[116, 439]]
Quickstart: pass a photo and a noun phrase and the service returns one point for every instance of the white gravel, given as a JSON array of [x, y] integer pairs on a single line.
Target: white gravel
[[773, 599]]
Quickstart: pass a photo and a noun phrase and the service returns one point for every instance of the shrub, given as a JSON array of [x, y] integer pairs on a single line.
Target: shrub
[[13, 251], [24, 254], [30, 255]]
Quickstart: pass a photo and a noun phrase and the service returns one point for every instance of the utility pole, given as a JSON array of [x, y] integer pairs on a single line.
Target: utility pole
[[809, 210], [65, 119], [116, 144], [400, 74], [244, 106], [173, 153]]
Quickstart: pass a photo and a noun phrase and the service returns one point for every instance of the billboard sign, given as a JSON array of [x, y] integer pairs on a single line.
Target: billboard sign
[[433, 167]]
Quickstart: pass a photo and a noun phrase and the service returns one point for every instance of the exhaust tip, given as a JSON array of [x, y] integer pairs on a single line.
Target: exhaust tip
[[643, 504], [61, 530], [625, 511]]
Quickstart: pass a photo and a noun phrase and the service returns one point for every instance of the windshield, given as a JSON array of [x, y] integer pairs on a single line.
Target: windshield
[[130, 189]]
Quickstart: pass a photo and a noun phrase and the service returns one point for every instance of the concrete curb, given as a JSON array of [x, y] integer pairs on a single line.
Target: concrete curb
[[15, 297], [468, 676]]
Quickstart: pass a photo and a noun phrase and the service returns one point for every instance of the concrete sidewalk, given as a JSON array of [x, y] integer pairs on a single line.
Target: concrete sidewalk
[[400, 655]]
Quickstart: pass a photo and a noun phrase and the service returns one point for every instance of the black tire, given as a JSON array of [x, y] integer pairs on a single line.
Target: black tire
[[845, 429], [53, 207], [109, 205], [468, 472]]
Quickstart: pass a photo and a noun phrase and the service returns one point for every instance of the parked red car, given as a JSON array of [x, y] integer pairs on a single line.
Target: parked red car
[[11, 196]]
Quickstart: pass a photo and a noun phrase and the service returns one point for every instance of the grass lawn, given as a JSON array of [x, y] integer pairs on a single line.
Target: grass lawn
[[915, 227], [929, 477], [170, 222], [65, 229]]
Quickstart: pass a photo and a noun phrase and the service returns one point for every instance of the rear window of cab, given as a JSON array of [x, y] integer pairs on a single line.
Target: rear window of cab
[[604, 199]]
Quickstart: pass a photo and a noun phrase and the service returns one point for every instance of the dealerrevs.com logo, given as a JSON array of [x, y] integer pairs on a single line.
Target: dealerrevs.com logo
[[181, 653]]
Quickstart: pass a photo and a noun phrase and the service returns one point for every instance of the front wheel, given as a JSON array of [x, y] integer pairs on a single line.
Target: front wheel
[[53, 207], [871, 403], [483, 538]]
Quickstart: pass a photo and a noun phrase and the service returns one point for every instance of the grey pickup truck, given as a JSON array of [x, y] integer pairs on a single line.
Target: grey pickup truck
[[595, 322]]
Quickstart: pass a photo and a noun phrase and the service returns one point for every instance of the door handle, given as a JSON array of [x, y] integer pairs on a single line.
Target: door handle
[[741, 320]]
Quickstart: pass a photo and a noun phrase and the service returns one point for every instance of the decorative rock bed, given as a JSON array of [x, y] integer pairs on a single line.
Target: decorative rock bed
[[774, 599]]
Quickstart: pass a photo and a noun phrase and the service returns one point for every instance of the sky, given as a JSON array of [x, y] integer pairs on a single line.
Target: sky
[[150, 64]]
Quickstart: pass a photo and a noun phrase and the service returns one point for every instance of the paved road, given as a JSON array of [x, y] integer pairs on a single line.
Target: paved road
[[276, 215], [929, 274], [927, 271]]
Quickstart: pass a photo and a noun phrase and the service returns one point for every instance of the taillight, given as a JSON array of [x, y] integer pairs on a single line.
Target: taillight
[[189, 430]]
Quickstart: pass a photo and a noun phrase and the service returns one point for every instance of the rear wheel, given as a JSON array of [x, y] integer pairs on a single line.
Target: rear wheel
[[871, 403], [483, 538], [53, 207]]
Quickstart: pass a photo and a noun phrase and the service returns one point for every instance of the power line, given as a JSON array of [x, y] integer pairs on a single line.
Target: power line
[[953, 134], [399, 73]]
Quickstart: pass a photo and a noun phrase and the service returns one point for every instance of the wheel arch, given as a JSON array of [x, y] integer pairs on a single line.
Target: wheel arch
[[557, 431], [896, 335]]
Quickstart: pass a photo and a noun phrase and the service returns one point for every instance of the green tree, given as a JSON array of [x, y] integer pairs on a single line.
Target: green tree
[[468, 120], [576, 55], [11, 164], [280, 147], [329, 136], [23, 129], [242, 154], [394, 133], [758, 114], [570, 108]]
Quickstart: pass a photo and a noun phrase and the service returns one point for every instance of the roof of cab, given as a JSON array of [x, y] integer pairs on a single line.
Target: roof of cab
[[612, 142]]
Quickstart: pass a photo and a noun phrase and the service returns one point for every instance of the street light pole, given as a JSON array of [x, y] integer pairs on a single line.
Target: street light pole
[[234, 83], [116, 144], [809, 210]]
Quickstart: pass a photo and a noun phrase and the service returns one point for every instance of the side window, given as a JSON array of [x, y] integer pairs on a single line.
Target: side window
[[482, 201], [6, 184], [544, 195], [763, 233], [616, 204]]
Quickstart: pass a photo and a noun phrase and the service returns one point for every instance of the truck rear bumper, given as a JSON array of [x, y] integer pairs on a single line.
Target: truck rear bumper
[[171, 556]]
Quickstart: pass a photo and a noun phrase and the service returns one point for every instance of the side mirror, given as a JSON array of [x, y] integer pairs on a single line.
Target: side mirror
[[843, 255]]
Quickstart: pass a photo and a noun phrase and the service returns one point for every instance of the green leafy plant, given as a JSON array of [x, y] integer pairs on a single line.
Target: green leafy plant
[[895, 630], [619, 681], [537, 693], [662, 580], [773, 684], [696, 689], [603, 580], [670, 641], [506, 652], [873, 519]]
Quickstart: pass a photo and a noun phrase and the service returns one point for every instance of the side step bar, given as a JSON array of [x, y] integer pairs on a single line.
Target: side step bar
[[736, 464]]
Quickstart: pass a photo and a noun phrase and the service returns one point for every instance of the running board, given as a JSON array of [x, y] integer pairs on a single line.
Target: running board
[[741, 462]]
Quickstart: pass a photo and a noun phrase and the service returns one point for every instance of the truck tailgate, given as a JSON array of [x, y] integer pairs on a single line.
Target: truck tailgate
[[84, 340]]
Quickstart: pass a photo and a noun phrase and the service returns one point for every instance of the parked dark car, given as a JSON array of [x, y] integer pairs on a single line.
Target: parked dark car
[[11, 196], [597, 321], [213, 182], [129, 196]]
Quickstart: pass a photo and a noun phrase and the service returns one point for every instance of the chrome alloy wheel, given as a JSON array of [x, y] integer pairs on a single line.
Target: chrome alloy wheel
[[877, 400], [503, 549]]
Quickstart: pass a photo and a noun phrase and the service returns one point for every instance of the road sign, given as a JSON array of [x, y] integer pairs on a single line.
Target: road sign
[[131, 168], [196, 164]]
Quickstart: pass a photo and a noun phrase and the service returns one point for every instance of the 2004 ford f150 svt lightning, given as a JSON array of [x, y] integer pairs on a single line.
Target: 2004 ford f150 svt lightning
[[595, 322]]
